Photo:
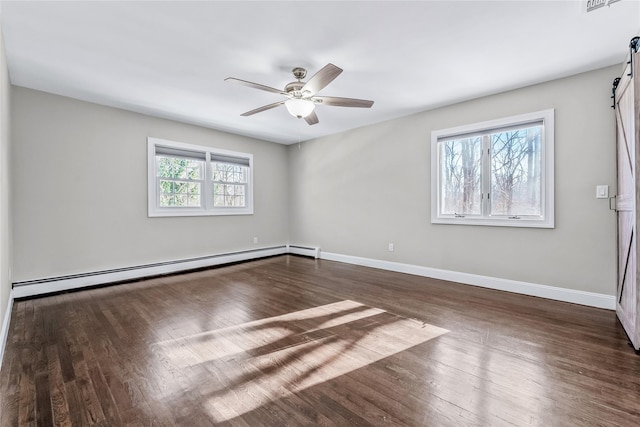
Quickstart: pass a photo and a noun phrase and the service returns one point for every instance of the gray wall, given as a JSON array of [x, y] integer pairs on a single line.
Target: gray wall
[[5, 188], [355, 192], [79, 193], [80, 190]]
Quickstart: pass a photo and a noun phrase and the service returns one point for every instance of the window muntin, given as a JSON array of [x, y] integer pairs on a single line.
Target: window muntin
[[495, 173], [187, 180]]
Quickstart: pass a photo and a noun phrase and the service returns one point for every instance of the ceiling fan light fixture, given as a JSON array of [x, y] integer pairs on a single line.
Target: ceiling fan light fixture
[[298, 107]]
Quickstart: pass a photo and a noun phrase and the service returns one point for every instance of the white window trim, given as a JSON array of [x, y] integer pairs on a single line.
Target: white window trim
[[207, 208], [547, 172]]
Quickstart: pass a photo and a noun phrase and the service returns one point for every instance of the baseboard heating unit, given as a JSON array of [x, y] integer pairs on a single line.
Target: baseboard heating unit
[[30, 288], [309, 251]]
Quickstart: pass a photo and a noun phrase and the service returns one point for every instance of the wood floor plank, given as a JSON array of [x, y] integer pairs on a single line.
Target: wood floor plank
[[57, 392], [290, 341], [43, 402], [27, 396]]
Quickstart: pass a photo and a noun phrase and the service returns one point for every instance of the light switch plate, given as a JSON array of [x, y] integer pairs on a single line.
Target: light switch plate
[[602, 192]]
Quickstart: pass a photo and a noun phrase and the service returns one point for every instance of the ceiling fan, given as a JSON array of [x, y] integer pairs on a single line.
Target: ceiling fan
[[302, 97]]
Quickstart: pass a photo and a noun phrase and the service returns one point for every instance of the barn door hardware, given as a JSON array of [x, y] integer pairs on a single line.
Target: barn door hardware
[[616, 81], [634, 45]]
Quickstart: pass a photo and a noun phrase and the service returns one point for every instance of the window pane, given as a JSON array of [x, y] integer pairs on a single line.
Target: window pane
[[180, 187], [166, 186], [193, 172], [460, 172], [166, 200], [515, 172], [194, 188]]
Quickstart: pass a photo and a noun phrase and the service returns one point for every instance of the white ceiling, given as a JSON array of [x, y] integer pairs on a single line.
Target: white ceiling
[[170, 58]]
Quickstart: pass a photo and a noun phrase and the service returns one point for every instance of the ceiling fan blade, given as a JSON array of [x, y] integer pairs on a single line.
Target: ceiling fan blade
[[343, 102], [255, 85], [263, 108], [312, 119], [321, 79]]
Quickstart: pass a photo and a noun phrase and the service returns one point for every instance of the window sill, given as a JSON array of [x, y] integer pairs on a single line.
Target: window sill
[[199, 212], [492, 222]]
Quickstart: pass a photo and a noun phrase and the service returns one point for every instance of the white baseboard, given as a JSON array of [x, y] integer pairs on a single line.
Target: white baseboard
[[58, 284], [525, 288], [4, 333]]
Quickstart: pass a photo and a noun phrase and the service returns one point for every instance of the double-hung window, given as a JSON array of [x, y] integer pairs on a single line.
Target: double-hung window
[[191, 180], [496, 173]]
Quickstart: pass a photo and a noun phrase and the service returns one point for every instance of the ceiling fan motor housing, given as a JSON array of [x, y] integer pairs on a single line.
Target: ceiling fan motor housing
[[299, 73]]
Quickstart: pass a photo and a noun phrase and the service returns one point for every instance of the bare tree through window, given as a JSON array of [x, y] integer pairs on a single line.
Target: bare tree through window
[[461, 169], [229, 184], [496, 173], [515, 172]]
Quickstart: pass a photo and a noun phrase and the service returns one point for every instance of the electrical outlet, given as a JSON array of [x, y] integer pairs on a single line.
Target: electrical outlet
[[255, 240], [391, 247]]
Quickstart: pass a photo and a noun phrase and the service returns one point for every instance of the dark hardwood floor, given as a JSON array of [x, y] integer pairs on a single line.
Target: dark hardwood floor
[[296, 341]]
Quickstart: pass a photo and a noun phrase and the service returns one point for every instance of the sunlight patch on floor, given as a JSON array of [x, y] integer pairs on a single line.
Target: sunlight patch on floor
[[221, 343], [258, 362]]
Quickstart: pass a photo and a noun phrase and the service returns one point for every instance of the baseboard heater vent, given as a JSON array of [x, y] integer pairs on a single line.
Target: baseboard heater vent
[[30, 288], [309, 251]]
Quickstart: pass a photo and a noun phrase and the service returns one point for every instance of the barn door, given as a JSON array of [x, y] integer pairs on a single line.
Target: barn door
[[626, 304]]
